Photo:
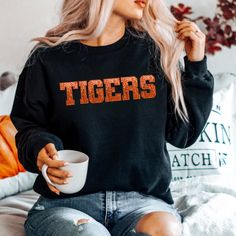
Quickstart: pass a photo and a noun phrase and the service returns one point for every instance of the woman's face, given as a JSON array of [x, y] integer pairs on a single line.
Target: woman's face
[[130, 9]]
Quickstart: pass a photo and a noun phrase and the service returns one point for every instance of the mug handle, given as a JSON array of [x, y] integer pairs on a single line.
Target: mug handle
[[44, 172]]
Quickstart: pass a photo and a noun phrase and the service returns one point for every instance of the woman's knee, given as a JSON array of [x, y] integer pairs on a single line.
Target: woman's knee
[[63, 221], [159, 224]]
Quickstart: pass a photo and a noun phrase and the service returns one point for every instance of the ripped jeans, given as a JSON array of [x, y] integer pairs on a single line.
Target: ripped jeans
[[109, 213]]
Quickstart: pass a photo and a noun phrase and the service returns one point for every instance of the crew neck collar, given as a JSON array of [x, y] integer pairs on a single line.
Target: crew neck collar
[[106, 48]]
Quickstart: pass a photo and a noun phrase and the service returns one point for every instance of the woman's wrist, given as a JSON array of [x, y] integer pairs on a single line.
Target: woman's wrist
[[196, 67]]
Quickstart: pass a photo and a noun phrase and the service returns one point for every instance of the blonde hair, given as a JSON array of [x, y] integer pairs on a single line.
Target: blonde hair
[[86, 19]]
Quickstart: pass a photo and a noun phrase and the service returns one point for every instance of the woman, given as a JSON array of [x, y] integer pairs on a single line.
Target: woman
[[106, 81]]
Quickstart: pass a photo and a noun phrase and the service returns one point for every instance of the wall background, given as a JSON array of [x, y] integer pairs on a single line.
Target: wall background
[[21, 20]]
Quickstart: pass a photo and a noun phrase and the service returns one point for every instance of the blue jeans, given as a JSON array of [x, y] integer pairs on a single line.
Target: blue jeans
[[113, 213]]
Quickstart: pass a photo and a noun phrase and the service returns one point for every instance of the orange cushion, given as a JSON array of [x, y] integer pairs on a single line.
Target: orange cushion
[[9, 163]]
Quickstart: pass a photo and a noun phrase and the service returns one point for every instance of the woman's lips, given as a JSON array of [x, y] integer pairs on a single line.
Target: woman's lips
[[141, 3]]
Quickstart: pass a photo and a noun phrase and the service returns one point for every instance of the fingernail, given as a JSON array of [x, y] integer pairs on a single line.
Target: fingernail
[[54, 156], [66, 163], [69, 175], [65, 182], [58, 193]]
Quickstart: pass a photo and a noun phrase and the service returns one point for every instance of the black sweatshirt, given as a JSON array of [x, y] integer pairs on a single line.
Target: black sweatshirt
[[114, 104]]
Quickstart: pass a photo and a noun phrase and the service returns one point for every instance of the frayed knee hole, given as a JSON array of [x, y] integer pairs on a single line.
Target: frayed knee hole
[[81, 221]]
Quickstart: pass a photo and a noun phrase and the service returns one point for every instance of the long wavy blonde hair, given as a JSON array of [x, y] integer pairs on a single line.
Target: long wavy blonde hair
[[86, 19]]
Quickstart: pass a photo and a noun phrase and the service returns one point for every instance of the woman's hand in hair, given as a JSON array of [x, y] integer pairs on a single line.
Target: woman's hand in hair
[[195, 40], [48, 156]]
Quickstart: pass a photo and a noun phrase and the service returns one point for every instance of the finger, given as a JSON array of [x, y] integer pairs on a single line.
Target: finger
[[40, 159], [53, 189], [183, 31], [52, 151], [199, 35], [58, 173], [189, 34], [43, 158], [186, 24], [53, 163], [188, 28], [57, 180]]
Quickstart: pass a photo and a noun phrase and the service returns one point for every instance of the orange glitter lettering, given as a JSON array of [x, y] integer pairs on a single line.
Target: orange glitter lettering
[[69, 87], [109, 90], [83, 91], [145, 86], [99, 91], [127, 88]]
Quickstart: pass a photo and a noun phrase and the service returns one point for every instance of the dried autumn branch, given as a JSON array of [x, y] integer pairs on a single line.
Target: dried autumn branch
[[219, 30]]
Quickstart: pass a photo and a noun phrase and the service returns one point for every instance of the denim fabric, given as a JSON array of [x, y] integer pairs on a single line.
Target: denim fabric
[[114, 213]]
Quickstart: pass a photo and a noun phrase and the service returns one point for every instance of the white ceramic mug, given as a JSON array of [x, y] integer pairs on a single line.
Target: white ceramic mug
[[77, 166]]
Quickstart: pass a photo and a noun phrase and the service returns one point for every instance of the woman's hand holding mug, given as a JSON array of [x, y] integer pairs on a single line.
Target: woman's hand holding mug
[[48, 155]]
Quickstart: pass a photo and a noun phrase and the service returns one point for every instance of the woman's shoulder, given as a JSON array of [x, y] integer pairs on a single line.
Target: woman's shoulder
[[34, 55], [44, 53]]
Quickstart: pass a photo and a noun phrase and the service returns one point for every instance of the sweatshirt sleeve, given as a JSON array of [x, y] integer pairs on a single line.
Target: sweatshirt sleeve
[[198, 84], [30, 112]]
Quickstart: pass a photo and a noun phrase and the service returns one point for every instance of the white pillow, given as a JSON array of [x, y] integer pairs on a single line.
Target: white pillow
[[215, 150], [15, 184], [6, 99]]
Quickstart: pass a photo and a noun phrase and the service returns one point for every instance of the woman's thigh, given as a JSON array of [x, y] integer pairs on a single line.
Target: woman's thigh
[[141, 205], [46, 220]]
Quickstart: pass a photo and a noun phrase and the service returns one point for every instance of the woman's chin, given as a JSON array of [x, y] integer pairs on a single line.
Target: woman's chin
[[136, 16]]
